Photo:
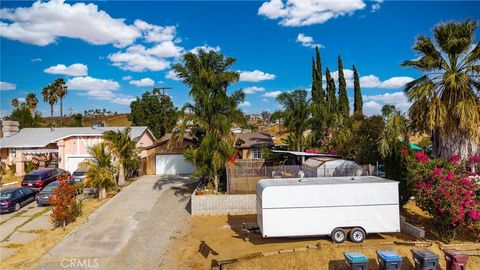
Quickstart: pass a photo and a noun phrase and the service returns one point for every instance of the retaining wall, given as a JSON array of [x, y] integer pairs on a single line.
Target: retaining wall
[[233, 204]]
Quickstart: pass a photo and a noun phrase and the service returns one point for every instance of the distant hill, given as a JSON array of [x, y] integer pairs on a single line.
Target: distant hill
[[119, 120]]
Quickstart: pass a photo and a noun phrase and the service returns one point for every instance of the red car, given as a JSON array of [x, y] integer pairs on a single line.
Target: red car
[[40, 178]]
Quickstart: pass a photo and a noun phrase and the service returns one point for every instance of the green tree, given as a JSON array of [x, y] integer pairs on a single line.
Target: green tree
[[212, 111], [32, 102], [61, 89], [122, 148], [50, 96], [343, 103], [318, 104], [24, 117], [331, 91], [77, 120], [357, 93], [445, 100], [15, 103], [154, 111], [296, 116]]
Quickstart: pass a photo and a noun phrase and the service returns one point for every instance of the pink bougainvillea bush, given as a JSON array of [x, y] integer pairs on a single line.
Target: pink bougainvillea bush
[[448, 190]]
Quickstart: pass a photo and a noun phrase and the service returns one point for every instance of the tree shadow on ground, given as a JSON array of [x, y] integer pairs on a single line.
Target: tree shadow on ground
[[170, 179]]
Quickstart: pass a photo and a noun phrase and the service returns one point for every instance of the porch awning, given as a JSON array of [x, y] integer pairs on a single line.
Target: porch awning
[[39, 151]]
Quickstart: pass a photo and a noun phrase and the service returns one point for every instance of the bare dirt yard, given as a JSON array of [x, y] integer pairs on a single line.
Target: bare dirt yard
[[218, 238]]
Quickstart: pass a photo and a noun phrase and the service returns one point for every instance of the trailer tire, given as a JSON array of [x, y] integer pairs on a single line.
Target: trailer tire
[[357, 235], [338, 235]]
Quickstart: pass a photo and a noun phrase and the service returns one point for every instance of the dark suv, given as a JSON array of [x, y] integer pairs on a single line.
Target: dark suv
[[38, 179]]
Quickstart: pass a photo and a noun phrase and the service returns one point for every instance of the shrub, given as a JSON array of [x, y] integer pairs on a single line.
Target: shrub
[[64, 205]]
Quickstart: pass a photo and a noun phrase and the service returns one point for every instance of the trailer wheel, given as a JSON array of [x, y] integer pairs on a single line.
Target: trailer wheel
[[338, 235], [357, 235]]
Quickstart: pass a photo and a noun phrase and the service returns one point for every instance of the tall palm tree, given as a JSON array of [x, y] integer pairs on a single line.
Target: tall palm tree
[[296, 115], [32, 102], [446, 99], [212, 111], [50, 96], [122, 148], [62, 90], [15, 103]]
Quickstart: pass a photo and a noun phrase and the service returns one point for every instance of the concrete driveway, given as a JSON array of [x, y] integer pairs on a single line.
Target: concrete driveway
[[130, 230]]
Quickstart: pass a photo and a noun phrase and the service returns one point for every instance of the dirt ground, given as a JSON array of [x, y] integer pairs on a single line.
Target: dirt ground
[[217, 238]]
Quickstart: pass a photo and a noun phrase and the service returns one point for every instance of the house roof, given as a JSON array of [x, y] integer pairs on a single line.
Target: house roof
[[40, 137], [167, 138], [254, 139]]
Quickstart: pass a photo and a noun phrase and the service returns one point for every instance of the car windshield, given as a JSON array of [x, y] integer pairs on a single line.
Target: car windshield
[[5, 194], [31, 177], [51, 186], [79, 173]]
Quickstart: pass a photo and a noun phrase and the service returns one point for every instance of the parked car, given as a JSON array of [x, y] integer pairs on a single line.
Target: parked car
[[79, 175], [43, 196], [12, 199], [38, 179]]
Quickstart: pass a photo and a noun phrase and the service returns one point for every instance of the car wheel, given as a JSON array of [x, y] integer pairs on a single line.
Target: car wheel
[[17, 207], [338, 235], [357, 235]]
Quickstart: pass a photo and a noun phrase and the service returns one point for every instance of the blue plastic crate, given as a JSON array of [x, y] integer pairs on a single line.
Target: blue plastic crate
[[355, 257], [388, 256]]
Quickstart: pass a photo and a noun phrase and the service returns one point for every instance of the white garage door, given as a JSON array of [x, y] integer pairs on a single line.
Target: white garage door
[[72, 163], [172, 164]]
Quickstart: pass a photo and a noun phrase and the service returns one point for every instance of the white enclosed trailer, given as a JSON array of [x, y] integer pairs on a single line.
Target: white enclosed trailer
[[327, 206]]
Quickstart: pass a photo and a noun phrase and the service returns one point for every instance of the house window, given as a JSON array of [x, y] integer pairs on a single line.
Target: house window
[[256, 153]]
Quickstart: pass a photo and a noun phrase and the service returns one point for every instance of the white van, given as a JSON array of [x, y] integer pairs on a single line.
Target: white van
[[293, 207]]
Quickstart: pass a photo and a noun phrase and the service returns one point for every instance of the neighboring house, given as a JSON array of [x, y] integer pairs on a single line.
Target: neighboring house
[[63, 147], [250, 144], [165, 158]]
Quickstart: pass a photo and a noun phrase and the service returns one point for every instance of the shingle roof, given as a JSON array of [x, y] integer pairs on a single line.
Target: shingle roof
[[40, 137], [253, 139]]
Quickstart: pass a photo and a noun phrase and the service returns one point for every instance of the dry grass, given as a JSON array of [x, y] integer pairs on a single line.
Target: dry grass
[[120, 120], [29, 254], [218, 238], [10, 178]]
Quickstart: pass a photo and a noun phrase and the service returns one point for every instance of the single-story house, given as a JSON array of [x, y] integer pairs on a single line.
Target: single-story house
[[163, 158], [64, 147], [250, 144]]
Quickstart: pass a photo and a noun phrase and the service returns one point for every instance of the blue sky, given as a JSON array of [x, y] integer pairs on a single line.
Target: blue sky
[[112, 51]]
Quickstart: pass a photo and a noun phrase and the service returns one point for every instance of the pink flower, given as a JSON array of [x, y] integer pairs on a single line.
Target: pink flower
[[475, 215], [421, 157], [405, 151], [454, 159]]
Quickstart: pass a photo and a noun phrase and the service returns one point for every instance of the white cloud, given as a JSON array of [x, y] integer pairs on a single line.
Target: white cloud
[[308, 12], [272, 94], [143, 82], [253, 89], [255, 76], [127, 78], [206, 48], [76, 70], [44, 22], [21, 99], [99, 89], [373, 103], [36, 60], [307, 41], [155, 33], [245, 104], [172, 75], [372, 81], [376, 5], [5, 86], [138, 58], [265, 100]]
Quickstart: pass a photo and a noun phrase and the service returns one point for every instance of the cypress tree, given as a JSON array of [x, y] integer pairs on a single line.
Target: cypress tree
[[331, 89], [318, 105], [319, 72], [358, 101], [343, 106]]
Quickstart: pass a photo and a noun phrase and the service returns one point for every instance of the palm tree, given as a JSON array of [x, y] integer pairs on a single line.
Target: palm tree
[[122, 148], [15, 103], [296, 115], [50, 96], [62, 90], [100, 172], [212, 111], [445, 100], [32, 102]]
